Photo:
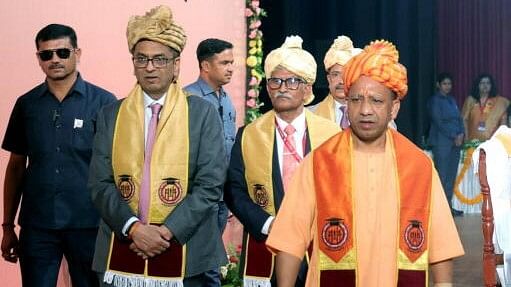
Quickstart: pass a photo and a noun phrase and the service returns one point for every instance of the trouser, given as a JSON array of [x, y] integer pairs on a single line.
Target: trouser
[[446, 160], [212, 277], [41, 252]]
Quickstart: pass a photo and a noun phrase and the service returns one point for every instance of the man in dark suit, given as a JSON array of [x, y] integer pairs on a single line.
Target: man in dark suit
[[266, 152], [52, 128], [157, 170]]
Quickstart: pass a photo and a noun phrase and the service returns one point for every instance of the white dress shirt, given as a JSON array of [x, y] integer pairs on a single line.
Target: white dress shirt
[[300, 126], [148, 102], [338, 112]]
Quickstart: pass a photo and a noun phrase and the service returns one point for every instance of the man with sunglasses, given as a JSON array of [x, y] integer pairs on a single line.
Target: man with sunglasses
[[267, 151], [157, 170], [216, 65], [51, 128]]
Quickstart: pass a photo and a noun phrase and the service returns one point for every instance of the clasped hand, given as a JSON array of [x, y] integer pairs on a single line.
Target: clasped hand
[[150, 240]]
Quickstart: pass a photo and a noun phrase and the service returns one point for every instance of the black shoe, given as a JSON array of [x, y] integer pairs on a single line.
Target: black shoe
[[456, 212]]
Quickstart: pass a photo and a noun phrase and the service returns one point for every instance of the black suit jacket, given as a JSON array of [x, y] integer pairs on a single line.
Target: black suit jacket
[[236, 196]]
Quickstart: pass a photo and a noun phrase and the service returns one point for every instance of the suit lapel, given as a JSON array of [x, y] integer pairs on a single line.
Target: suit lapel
[[278, 187]]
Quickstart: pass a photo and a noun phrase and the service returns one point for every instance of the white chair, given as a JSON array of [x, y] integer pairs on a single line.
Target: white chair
[[492, 160]]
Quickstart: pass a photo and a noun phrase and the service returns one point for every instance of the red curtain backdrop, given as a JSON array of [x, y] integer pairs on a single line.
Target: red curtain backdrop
[[474, 36]]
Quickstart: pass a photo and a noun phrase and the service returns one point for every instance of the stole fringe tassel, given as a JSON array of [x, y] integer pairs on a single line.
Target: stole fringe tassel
[[256, 282], [125, 280]]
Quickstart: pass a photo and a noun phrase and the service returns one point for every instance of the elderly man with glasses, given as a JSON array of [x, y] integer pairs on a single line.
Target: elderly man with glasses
[[52, 128], [267, 151], [157, 170]]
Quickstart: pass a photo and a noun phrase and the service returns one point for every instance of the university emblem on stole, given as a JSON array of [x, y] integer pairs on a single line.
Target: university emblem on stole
[[170, 191], [126, 187], [260, 195], [414, 236], [334, 233]]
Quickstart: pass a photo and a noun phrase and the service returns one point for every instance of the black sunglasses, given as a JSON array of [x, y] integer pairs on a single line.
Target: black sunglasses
[[62, 53]]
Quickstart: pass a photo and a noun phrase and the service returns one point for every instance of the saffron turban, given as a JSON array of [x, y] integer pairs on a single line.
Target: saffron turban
[[293, 58], [340, 52], [156, 25], [379, 61]]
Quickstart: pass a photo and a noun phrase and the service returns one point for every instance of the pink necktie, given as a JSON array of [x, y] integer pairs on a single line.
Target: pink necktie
[[145, 186], [290, 162], [344, 119]]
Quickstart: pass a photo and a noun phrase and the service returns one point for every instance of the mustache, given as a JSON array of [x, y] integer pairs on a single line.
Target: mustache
[[283, 95], [53, 66], [339, 87]]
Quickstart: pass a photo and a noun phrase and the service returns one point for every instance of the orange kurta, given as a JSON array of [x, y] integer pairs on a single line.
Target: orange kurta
[[376, 209]]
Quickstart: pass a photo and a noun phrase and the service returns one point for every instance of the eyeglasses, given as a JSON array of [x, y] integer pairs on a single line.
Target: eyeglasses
[[291, 83], [158, 62], [62, 53]]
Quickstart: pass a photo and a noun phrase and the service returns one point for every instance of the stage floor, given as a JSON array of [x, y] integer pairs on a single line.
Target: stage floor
[[468, 270]]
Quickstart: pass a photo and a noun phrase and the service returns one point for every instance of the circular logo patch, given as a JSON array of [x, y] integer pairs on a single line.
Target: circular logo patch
[[260, 195], [334, 233], [126, 187], [170, 191], [414, 236]]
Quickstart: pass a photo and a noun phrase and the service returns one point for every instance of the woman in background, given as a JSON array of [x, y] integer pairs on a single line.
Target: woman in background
[[445, 134], [484, 111]]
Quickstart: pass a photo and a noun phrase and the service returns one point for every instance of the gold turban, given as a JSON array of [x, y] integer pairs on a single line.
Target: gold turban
[[378, 60], [340, 52], [156, 25], [293, 58]]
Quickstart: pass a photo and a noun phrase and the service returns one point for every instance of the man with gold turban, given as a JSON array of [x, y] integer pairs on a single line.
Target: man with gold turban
[[267, 151], [157, 169], [333, 107], [368, 199]]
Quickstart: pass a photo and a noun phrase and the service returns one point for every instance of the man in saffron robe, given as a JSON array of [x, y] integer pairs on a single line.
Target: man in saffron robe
[[369, 200], [157, 170], [267, 151]]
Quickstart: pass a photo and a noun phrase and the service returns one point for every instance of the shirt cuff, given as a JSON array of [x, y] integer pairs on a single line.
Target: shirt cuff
[[266, 227], [127, 225]]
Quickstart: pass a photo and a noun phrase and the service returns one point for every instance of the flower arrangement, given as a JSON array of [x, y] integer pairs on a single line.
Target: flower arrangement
[[467, 151], [254, 61], [230, 275]]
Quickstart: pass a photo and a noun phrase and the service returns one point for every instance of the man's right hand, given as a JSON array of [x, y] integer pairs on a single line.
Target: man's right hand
[[10, 245], [148, 240]]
